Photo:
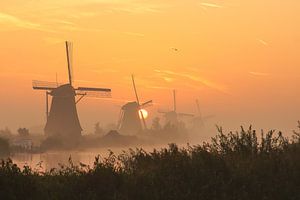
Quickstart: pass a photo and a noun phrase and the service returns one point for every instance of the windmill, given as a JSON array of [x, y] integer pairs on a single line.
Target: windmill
[[172, 117], [62, 119], [132, 115], [198, 121]]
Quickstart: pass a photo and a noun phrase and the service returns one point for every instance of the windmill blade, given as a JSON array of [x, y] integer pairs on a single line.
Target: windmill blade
[[94, 92], [146, 104], [94, 89], [198, 107], [138, 101], [45, 85], [135, 92], [47, 106], [185, 115], [174, 98], [69, 51]]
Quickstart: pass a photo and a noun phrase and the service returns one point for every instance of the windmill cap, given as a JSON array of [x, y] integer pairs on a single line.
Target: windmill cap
[[63, 90], [130, 105]]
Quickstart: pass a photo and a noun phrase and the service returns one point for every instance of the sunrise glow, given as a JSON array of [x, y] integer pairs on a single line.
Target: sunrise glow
[[143, 113]]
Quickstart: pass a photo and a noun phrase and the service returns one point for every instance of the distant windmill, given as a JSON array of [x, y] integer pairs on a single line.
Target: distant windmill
[[172, 117], [132, 116], [199, 121], [62, 120]]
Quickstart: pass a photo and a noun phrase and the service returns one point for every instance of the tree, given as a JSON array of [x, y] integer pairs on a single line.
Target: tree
[[5, 132], [4, 147], [23, 132]]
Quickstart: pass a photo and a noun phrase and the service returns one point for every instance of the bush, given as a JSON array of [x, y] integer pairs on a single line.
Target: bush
[[23, 132], [4, 147], [237, 165]]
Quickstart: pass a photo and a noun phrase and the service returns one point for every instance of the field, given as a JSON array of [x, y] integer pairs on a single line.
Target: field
[[241, 165]]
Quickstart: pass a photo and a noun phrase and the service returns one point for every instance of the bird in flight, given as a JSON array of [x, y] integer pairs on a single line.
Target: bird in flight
[[174, 49]]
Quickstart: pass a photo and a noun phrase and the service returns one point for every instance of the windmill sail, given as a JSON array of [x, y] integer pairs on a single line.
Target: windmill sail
[[45, 85], [138, 102], [174, 101], [62, 119], [185, 115], [69, 51], [172, 117], [94, 92]]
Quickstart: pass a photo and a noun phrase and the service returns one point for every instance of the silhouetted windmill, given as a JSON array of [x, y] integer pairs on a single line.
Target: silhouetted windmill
[[132, 119], [199, 121], [62, 120], [171, 117]]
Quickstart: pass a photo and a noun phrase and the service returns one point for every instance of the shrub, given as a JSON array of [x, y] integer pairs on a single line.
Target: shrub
[[23, 132], [237, 165], [4, 147]]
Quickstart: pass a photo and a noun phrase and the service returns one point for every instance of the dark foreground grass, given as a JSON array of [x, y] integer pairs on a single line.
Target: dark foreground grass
[[233, 166]]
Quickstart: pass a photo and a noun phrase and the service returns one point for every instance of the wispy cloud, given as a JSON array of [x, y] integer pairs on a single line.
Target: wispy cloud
[[210, 5], [105, 71], [198, 79], [53, 41], [134, 34], [263, 42], [15, 21], [60, 21], [10, 21], [158, 87], [168, 79], [259, 74], [137, 10]]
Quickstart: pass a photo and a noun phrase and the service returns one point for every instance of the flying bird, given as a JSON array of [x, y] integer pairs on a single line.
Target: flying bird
[[174, 49]]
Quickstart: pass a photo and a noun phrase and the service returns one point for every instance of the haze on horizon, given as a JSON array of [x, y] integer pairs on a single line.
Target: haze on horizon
[[240, 59]]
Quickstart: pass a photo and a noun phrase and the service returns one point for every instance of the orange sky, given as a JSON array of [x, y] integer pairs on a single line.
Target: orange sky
[[240, 58]]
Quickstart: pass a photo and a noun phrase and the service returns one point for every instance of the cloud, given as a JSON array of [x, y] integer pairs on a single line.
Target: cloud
[[210, 5], [95, 7], [53, 41], [198, 79], [158, 87], [168, 79], [64, 22], [137, 9], [259, 74], [134, 34], [57, 16], [13, 20], [263, 42]]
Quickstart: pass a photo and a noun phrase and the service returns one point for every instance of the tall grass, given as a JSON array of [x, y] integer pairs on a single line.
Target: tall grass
[[240, 165]]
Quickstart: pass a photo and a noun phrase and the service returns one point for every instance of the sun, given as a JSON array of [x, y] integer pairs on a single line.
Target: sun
[[144, 112]]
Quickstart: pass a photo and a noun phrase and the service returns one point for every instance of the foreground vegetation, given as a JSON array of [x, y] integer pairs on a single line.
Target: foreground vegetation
[[237, 165]]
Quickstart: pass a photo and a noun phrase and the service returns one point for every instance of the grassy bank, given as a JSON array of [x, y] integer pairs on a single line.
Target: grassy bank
[[241, 165]]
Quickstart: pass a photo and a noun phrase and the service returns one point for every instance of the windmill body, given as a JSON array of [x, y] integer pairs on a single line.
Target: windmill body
[[63, 118], [130, 120], [172, 117], [198, 122]]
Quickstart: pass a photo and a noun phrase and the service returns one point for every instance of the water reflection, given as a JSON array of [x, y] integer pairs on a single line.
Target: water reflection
[[49, 160]]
